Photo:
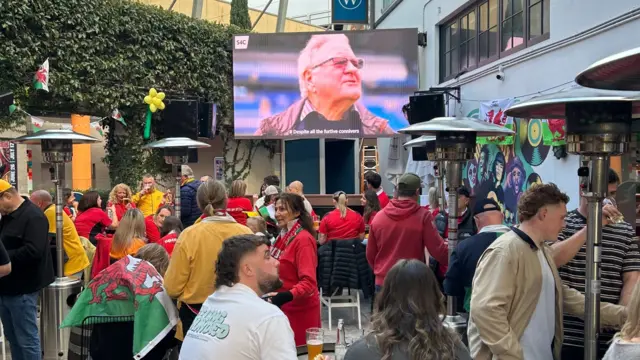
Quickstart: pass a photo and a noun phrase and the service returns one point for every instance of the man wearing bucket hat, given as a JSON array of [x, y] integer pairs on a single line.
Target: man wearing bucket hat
[[24, 233]]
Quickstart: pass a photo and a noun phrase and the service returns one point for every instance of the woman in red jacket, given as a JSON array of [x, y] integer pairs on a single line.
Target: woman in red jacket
[[238, 204], [297, 252]]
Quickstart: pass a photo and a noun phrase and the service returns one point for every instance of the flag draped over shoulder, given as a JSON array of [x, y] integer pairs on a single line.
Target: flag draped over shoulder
[[129, 287]]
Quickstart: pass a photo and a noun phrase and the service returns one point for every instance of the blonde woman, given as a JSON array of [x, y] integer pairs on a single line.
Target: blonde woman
[[238, 204], [626, 343], [191, 275], [120, 200], [129, 236], [341, 223]]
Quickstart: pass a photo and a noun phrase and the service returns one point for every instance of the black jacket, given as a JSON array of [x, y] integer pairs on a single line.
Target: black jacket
[[189, 210], [466, 227], [343, 263], [25, 235]]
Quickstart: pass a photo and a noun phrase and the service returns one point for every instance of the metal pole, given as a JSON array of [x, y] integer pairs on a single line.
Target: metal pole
[[282, 15], [58, 172], [261, 13], [196, 9], [372, 14], [596, 192], [440, 183], [177, 173]]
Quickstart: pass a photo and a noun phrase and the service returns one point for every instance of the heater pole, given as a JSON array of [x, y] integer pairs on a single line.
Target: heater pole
[[177, 173], [58, 169]]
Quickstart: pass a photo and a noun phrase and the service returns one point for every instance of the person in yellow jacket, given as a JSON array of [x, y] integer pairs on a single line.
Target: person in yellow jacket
[[191, 275], [149, 198], [77, 258]]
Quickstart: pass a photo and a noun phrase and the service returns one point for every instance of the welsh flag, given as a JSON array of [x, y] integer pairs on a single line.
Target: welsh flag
[[554, 132], [36, 124], [494, 112], [117, 116], [97, 127], [129, 287], [41, 78]]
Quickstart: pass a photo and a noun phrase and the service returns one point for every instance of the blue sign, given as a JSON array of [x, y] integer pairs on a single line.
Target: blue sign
[[349, 11]]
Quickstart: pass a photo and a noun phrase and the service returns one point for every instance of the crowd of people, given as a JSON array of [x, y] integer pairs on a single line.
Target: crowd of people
[[243, 273]]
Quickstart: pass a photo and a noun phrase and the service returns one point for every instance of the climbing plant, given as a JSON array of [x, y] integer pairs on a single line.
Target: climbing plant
[[106, 54]]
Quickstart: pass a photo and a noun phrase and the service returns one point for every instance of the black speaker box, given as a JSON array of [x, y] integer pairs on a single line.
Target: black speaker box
[[180, 119], [424, 107], [206, 120]]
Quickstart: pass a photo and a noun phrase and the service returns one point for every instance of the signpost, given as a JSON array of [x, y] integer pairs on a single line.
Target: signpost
[[349, 11]]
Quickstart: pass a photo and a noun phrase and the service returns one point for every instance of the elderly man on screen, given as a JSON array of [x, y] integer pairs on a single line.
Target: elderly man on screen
[[330, 87]]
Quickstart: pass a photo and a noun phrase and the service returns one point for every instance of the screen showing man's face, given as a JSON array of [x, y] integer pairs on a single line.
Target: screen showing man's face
[[336, 74]]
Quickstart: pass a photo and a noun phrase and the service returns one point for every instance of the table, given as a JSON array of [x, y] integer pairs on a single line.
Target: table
[[327, 349]]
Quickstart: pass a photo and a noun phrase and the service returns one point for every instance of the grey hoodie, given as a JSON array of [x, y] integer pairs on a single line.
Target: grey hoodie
[[622, 350]]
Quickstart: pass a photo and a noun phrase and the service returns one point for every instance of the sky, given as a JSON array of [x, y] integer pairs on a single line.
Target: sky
[[295, 8]]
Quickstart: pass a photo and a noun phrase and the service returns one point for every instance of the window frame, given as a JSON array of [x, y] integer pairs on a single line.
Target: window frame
[[460, 15]]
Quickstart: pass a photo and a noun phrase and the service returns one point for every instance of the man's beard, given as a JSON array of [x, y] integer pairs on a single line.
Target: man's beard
[[268, 285]]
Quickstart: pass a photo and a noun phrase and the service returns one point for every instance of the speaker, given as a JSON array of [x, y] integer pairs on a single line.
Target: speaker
[[424, 107], [180, 119], [207, 120], [193, 156]]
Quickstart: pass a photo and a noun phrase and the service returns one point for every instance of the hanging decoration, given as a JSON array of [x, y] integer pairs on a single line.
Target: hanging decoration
[[554, 132], [493, 112], [41, 78], [96, 126], [117, 116], [154, 100]]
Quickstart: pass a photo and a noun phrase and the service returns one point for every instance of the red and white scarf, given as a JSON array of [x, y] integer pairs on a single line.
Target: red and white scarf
[[284, 239]]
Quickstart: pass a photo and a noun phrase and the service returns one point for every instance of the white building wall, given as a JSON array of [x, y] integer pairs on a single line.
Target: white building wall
[[581, 32]]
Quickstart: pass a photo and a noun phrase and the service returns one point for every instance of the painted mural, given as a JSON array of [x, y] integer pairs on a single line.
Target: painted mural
[[504, 172]]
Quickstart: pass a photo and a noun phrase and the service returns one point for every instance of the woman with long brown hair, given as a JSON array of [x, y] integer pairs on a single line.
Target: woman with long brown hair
[[371, 205], [407, 323], [626, 343], [297, 252]]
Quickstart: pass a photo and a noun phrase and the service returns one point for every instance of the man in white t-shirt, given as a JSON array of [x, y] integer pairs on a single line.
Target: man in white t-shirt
[[235, 323]]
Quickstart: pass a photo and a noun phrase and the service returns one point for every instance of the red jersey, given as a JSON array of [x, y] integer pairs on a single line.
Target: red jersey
[[383, 199], [336, 228], [92, 222], [169, 241], [298, 263], [121, 208], [153, 233], [236, 207]]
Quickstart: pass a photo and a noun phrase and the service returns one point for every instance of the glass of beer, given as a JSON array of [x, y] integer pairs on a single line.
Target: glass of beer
[[315, 339], [316, 222], [611, 201]]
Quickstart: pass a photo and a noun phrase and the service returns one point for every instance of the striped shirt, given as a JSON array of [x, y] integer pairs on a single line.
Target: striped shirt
[[619, 255]]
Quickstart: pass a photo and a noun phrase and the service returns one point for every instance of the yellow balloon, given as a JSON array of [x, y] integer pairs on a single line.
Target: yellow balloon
[[161, 106], [153, 92], [153, 108], [148, 99], [157, 101], [160, 96]]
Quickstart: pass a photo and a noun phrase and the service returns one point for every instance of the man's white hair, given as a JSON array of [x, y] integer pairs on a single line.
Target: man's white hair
[[306, 55], [186, 171]]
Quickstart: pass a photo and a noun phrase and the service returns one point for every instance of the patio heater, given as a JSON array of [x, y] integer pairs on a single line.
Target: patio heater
[[598, 126], [59, 297], [455, 144], [176, 153], [617, 72], [430, 143]]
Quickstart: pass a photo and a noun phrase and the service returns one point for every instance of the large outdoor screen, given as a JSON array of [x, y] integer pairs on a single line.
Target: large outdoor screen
[[323, 85]]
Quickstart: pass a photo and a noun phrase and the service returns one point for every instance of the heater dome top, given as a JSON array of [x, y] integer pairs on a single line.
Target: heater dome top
[[177, 142], [55, 135], [420, 141], [620, 71], [553, 106], [456, 124]]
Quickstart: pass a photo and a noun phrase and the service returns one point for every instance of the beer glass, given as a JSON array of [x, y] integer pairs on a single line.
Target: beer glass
[[315, 339], [614, 219]]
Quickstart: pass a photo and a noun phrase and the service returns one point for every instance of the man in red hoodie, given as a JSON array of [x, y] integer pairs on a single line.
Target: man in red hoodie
[[402, 230]]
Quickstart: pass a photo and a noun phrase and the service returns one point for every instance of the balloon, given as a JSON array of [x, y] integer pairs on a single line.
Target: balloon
[[160, 96], [157, 101], [148, 99], [153, 108], [161, 106], [152, 92]]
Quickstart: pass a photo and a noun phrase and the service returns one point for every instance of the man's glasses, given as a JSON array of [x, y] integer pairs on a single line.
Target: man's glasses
[[341, 62]]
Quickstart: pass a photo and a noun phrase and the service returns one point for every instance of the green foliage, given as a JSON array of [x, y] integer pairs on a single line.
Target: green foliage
[[106, 54], [240, 14]]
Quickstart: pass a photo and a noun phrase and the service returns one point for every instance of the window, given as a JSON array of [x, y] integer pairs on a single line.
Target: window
[[386, 4], [489, 30]]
